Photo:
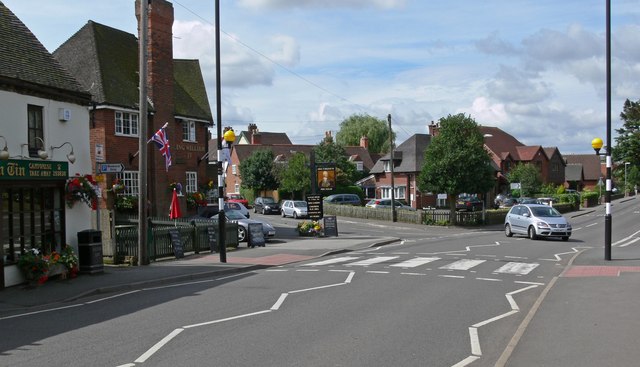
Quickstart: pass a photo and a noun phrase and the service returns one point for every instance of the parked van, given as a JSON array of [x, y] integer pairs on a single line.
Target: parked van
[[343, 199]]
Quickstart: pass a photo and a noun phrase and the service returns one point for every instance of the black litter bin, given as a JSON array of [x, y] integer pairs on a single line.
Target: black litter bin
[[90, 251]]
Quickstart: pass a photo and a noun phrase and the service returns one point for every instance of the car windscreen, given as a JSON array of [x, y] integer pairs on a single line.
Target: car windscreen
[[545, 212], [300, 204], [268, 200]]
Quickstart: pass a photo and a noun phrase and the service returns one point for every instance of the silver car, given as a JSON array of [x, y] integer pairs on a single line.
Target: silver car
[[536, 220], [243, 225], [294, 208]]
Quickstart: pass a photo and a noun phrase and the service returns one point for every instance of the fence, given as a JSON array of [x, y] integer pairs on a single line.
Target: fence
[[194, 236], [428, 216]]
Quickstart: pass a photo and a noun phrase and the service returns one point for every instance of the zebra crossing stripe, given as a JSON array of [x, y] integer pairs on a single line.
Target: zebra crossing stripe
[[375, 260], [464, 264], [517, 268], [332, 261], [412, 263]]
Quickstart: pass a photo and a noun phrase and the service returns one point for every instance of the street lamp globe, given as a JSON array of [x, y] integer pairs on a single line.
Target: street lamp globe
[[597, 144]]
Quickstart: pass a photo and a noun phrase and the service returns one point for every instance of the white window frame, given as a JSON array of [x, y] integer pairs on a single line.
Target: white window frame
[[234, 169], [400, 192], [189, 131], [192, 182], [236, 188], [126, 123], [387, 166], [131, 181], [359, 166]]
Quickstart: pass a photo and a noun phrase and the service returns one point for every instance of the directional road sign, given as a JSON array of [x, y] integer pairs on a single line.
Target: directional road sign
[[110, 167]]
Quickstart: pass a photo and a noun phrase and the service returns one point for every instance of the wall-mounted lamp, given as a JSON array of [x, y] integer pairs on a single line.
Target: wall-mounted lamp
[[4, 153], [71, 157], [42, 153]]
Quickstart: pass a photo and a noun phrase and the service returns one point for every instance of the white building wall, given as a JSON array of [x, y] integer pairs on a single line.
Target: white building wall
[[13, 126]]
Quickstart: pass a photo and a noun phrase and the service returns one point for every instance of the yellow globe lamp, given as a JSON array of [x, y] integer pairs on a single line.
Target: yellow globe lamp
[[597, 144], [229, 136]]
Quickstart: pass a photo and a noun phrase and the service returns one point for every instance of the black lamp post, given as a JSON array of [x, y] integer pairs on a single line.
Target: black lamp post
[[597, 144]]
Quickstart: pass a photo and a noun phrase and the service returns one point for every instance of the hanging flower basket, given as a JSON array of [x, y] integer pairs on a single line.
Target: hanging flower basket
[[81, 188], [118, 186]]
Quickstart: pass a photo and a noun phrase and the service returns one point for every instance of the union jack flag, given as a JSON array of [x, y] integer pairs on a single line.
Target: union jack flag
[[160, 138]]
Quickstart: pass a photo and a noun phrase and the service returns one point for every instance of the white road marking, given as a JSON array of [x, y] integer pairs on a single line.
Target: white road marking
[[630, 242], [375, 260], [412, 263], [158, 345], [462, 264], [332, 261], [490, 279], [452, 276], [517, 268], [467, 361], [377, 272]]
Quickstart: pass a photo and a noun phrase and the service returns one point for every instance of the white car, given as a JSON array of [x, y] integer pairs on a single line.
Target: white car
[[294, 208]]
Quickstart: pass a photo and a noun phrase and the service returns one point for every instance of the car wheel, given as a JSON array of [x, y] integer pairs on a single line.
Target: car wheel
[[255, 210], [242, 234], [295, 215], [507, 231], [532, 233], [565, 238], [282, 211], [264, 211]]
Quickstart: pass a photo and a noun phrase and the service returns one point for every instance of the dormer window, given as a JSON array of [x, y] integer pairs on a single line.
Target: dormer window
[[189, 131], [387, 166]]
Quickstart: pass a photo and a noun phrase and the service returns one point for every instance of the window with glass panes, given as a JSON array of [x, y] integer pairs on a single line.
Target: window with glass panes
[[31, 216], [131, 183], [126, 123], [189, 131], [35, 129], [400, 192], [192, 182]]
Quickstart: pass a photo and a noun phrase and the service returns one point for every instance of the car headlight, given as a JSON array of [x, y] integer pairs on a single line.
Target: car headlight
[[542, 225]]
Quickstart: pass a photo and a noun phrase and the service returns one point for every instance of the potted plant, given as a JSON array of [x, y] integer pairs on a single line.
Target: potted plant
[[34, 266]]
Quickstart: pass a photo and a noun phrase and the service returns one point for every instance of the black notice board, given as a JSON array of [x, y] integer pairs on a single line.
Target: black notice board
[[212, 235], [331, 226], [256, 235], [176, 242], [314, 206]]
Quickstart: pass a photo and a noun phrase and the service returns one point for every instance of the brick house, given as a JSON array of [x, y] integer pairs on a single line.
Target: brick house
[[584, 171], [251, 140], [105, 62], [408, 159]]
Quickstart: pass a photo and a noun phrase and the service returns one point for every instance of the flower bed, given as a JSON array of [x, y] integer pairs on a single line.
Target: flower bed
[[310, 229]]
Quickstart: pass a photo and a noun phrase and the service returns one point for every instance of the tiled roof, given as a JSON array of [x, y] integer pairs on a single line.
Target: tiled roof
[[266, 138], [410, 155], [528, 153], [573, 172], [190, 94], [24, 59], [590, 165], [105, 61]]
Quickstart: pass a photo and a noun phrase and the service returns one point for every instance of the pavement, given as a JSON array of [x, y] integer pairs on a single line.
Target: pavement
[[585, 317]]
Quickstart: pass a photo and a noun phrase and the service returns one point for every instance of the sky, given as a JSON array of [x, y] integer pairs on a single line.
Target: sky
[[534, 68]]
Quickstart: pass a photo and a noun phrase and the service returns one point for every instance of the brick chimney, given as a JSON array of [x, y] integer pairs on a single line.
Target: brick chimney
[[433, 129], [256, 138], [364, 142], [160, 63]]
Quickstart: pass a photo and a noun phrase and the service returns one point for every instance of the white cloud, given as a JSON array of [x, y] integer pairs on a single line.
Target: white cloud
[[284, 4]]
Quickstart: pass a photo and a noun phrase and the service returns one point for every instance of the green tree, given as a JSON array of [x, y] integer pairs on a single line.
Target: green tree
[[528, 176], [295, 176], [357, 126], [627, 147], [329, 152], [258, 171], [456, 161]]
